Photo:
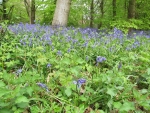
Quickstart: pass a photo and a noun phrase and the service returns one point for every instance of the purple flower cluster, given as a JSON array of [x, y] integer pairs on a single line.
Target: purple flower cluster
[[43, 86], [37, 35], [117, 33], [59, 53], [100, 59], [79, 82], [18, 72], [49, 65], [120, 65]]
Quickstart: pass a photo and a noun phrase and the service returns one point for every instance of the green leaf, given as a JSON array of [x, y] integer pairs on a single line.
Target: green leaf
[[79, 61], [143, 59], [21, 99], [4, 91], [89, 68], [145, 104], [117, 105], [66, 61], [2, 84], [136, 94], [111, 92], [68, 92], [29, 90], [5, 111], [4, 104], [23, 104], [148, 71], [127, 106], [42, 60], [101, 111], [10, 63], [74, 71], [29, 54], [144, 91], [83, 98]]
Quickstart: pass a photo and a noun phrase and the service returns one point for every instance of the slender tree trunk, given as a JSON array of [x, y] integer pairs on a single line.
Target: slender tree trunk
[[114, 9], [32, 15], [27, 6], [125, 9], [131, 9], [101, 6], [61, 13], [4, 11], [91, 13], [30, 8], [131, 12]]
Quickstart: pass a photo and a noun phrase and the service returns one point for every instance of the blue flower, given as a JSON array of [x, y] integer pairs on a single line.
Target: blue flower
[[59, 53], [85, 44], [69, 50], [49, 65], [120, 65], [79, 82], [43, 86], [18, 72], [87, 58], [100, 59]]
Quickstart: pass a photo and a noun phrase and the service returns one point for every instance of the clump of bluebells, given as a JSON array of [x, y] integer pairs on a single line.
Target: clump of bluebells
[[79, 82], [59, 53], [100, 59], [76, 48], [18, 72], [44, 86], [48, 65]]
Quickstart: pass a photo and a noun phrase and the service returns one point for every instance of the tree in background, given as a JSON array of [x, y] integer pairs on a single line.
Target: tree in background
[[123, 14], [6, 11], [61, 13], [30, 8], [114, 8], [131, 9], [101, 6], [46, 12], [91, 13]]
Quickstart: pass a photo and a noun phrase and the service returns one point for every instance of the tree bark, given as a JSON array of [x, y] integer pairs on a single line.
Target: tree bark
[[114, 9], [4, 11], [30, 8], [91, 13], [32, 15], [101, 6], [131, 9], [125, 9], [61, 13], [131, 12], [27, 6]]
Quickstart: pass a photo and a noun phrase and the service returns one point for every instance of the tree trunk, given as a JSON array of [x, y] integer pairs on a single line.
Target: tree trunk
[[101, 6], [4, 11], [27, 6], [131, 9], [32, 15], [131, 12], [30, 8], [125, 9], [91, 13], [61, 13], [114, 9]]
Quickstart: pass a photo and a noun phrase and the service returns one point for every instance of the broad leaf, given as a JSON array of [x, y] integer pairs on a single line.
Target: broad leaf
[[127, 106], [111, 92], [68, 92], [2, 84], [4, 91], [21, 99]]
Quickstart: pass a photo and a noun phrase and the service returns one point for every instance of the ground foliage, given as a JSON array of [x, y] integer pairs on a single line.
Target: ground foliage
[[73, 70]]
